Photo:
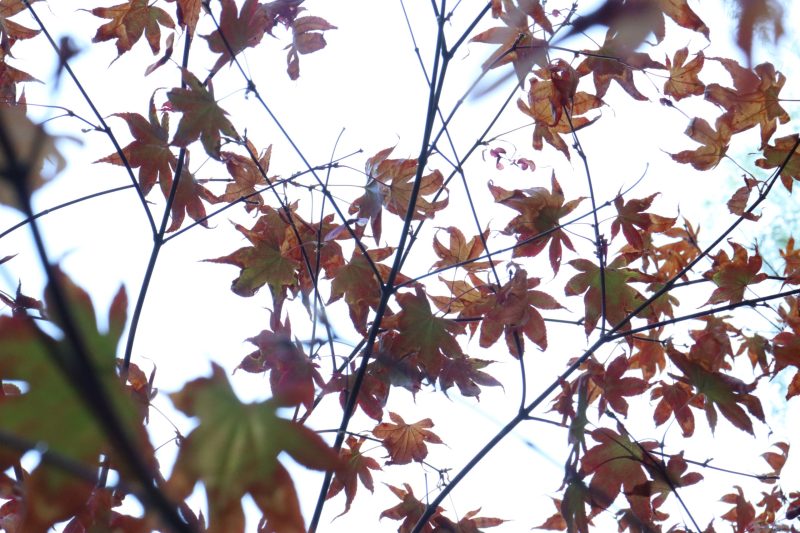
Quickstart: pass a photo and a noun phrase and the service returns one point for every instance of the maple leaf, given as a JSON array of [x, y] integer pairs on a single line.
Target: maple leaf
[[393, 367], [430, 339], [617, 464], [32, 146], [785, 347], [512, 311], [149, 151], [791, 258], [52, 412], [270, 260], [129, 21], [715, 143], [292, 374], [99, 515], [754, 14], [467, 300], [720, 391], [517, 43], [631, 215], [247, 175], [733, 275], [554, 113], [405, 442], [620, 298], [202, 117], [389, 185], [683, 15], [9, 78], [236, 33], [650, 357], [742, 514], [683, 80], [356, 468], [614, 61], [613, 387], [539, 219], [234, 451], [10, 31], [785, 148], [188, 14], [777, 460], [667, 478], [355, 280], [468, 524], [466, 373], [188, 199], [755, 99], [738, 202], [675, 398], [372, 395], [306, 38], [460, 252], [409, 510]]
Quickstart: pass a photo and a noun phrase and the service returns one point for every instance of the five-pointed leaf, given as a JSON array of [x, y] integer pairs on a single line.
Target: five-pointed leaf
[[715, 143], [783, 154], [460, 252], [683, 80], [426, 337], [409, 510], [405, 442], [539, 219], [356, 468], [465, 372], [149, 151], [129, 21], [247, 175], [237, 33], [733, 275], [202, 117], [234, 451]]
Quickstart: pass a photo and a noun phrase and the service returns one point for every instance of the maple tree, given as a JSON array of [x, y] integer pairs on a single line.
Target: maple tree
[[392, 291]]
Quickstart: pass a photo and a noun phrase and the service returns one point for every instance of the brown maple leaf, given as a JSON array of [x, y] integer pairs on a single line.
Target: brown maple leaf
[[202, 117], [247, 175], [129, 21], [613, 387], [460, 252], [409, 510], [188, 199], [307, 38], [675, 398], [389, 185], [356, 468], [465, 372], [236, 32], [516, 40], [539, 220], [405, 442], [632, 215], [10, 31], [149, 151]]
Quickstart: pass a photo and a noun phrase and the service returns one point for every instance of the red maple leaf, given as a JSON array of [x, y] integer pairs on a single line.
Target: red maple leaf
[[612, 386], [675, 398]]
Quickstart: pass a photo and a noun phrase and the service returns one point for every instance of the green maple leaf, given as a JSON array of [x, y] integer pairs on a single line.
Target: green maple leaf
[[234, 452], [620, 298], [202, 117], [51, 412]]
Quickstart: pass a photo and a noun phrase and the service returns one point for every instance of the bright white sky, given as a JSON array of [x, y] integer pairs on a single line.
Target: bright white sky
[[368, 81]]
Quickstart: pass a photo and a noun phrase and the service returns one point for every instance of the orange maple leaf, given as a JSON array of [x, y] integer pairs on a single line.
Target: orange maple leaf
[[733, 275], [460, 252], [753, 101], [356, 468], [715, 143], [775, 156], [683, 80], [405, 442]]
